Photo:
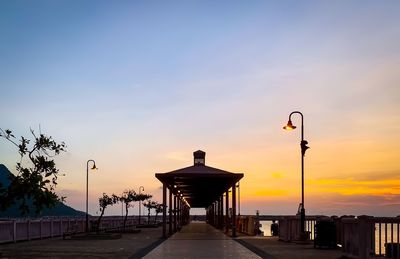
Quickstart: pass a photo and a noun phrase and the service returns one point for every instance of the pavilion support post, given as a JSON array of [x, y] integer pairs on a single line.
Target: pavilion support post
[[221, 218], [182, 223], [209, 214], [174, 213], [218, 212], [170, 212], [214, 214], [206, 214], [227, 211], [178, 212], [164, 224], [234, 210]]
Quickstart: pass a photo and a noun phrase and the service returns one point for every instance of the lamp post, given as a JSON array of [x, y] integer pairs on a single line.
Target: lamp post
[[141, 188], [304, 147], [87, 192]]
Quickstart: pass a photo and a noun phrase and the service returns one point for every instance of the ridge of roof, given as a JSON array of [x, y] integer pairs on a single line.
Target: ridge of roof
[[199, 169]]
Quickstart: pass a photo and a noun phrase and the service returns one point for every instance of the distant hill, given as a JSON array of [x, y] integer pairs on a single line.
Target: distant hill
[[59, 210]]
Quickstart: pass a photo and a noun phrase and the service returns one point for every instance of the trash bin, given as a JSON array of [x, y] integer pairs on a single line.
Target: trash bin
[[325, 234], [392, 250]]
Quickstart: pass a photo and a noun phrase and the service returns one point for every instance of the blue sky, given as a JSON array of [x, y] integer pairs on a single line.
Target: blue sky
[[139, 85]]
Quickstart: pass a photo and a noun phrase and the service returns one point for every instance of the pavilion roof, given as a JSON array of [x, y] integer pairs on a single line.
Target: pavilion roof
[[201, 185]]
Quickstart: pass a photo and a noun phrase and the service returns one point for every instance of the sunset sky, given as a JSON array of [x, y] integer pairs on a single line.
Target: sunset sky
[[139, 85]]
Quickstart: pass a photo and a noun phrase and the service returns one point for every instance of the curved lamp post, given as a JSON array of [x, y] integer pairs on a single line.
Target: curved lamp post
[[304, 147], [87, 191], [141, 188]]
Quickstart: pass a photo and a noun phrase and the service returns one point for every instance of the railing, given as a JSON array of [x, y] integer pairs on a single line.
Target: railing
[[387, 237], [20, 230], [363, 236], [289, 227]]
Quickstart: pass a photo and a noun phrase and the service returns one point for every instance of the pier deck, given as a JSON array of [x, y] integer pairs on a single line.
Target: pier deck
[[200, 240], [196, 240]]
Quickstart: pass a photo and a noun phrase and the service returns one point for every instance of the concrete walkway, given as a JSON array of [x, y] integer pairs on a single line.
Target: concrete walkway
[[200, 240]]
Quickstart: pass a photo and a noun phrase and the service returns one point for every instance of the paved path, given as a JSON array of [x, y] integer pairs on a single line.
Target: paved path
[[200, 240]]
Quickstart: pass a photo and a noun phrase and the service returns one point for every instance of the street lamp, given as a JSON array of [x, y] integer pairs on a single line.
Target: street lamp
[[141, 188], [87, 192], [304, 147]]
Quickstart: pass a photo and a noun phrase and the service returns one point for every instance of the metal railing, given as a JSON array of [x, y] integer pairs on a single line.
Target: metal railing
[[387, 232], [25, 229]]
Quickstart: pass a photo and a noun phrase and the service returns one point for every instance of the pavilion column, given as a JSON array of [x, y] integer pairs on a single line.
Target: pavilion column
[[209, 214], [174, 213], [221, 209], [178, 212], [234, 210], [164, 211], [218, 212], [170, 212], [227, 210], [186, 215], [182, 213], [214, 214]]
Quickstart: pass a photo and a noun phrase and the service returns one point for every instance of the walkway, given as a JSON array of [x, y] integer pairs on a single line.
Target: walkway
[[200, 240]]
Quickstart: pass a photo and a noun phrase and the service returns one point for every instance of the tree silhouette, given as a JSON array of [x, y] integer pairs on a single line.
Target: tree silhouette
[[150, 205], [37, 181], [159, 208], [127, 197], [104, 202], [142, 197]]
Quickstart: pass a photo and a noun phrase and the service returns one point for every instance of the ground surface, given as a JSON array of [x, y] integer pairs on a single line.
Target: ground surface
[[210, 243], [271, 247], [129, 246]]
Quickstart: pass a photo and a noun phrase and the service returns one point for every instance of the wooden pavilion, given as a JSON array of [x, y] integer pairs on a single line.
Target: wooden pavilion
[[199, 186]]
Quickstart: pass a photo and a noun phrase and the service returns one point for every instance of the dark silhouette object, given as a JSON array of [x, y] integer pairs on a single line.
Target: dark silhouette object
[[141, 188], [141, 197], [37, 182], [59, 209], [304, 147], [274, 229], [325, 234], [149, 205], [159, 208], [392, 250], [127, 197], [104, 202], [87, 191]]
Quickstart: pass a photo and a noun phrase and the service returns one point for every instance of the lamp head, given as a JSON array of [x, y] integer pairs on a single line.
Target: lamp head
[[289, 126], [94, 166]]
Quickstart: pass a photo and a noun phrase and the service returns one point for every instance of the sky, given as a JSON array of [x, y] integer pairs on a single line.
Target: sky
[[139, 85]]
